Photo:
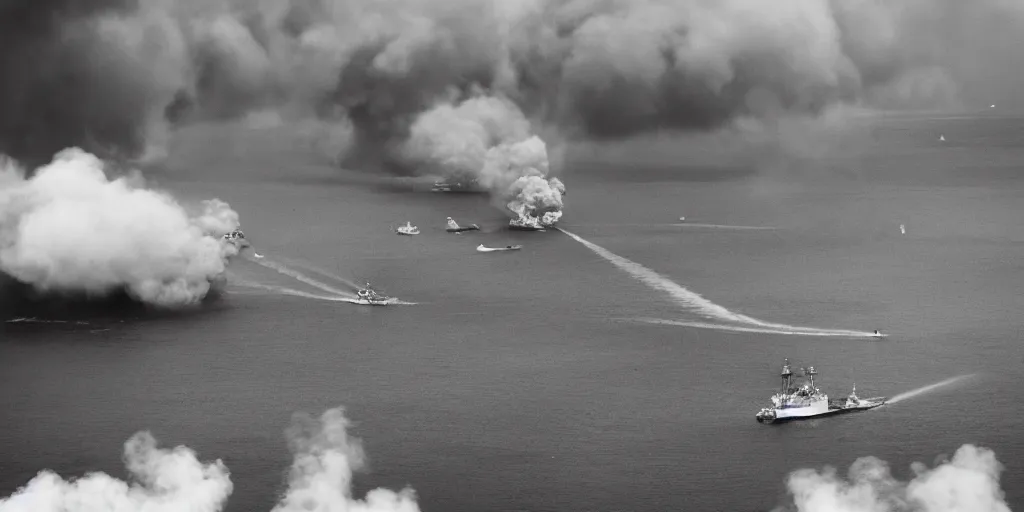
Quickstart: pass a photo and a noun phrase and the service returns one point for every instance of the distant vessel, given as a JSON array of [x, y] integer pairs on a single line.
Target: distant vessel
[[903, 229], [807, 401], [468, 186], [407, 229], [942, 137], [454, 227], [481, 248], [369, 297]]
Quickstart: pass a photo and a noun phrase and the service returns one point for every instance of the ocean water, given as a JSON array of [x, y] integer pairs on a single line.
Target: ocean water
[[528, 380]]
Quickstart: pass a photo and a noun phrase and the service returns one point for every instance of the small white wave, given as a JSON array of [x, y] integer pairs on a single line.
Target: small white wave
[[694, 302]]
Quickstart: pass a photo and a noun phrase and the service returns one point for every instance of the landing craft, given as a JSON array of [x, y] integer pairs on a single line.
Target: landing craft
[[807, 401]]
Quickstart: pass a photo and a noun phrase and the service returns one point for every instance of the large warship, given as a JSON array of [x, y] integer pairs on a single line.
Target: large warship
[[807, 401]]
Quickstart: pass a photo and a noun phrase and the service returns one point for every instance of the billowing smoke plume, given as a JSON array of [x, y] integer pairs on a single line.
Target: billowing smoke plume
[[487, 139], [115, 76], [69, 230], [969, 482], [176, 480]]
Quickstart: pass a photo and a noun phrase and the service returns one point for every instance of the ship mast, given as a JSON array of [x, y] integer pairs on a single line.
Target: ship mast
[[810, 375], [787, 377]]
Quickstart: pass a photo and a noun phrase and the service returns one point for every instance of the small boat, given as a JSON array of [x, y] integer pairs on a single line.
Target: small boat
[[237, 238], [481, 248], [369, 297], [807, 401], [454, 227], [408, 229]]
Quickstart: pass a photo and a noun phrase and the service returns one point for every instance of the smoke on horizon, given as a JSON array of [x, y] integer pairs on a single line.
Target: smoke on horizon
[[325, 458], [117, 71], [70, 230], [117, 76]]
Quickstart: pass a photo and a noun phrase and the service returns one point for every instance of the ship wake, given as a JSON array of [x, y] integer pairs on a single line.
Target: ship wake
[[331, 293], [695, 303], [928, 389]]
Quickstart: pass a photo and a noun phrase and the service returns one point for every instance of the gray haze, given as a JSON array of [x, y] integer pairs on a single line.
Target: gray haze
[[116, 75]]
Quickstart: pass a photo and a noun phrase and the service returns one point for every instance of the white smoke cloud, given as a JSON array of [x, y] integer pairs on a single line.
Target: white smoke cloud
[[175, 480], [71, 230], [969, 482], [488, 139], [321, 475]]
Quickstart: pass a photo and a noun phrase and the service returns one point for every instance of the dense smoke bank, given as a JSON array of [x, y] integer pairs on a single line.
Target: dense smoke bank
[[69, 230], [969, 482], [115, 77], [176, 480]]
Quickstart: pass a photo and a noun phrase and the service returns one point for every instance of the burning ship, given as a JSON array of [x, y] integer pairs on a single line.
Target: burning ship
[[542, 210], [807, 401]]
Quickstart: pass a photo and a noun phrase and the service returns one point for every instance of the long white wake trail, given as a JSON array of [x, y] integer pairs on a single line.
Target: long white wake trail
[[692, 301], [298, 276], [925, 389]]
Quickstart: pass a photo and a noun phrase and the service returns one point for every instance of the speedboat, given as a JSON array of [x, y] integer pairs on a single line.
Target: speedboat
[[807, 401], [367, 296], [481, 248], [407, 229], [454, 227]]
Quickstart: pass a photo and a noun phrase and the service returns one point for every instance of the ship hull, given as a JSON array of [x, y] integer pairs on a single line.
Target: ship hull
[[834, 408], [474, 227], [513, 227]]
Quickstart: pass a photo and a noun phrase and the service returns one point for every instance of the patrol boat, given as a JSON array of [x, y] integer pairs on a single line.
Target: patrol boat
[[807, 401], [369, 297]]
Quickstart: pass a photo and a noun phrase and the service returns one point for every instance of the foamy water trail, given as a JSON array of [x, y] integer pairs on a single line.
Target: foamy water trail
[[295, 293], [684, 225], [929, 388], [692, 301], [721, 226], [349, 298], [33, 320], [298, 276], [800, 331], [322, 272]]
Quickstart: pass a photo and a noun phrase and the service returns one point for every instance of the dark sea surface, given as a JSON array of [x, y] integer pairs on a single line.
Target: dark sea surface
[[522, 381]]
